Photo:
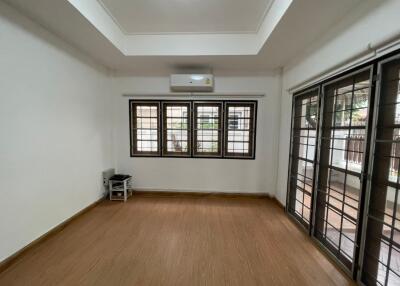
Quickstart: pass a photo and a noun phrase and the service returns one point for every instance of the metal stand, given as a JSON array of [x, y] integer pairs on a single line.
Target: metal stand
[[120, 190]]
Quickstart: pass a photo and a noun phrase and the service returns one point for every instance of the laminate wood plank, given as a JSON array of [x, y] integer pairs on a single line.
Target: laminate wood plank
[[178, 240]]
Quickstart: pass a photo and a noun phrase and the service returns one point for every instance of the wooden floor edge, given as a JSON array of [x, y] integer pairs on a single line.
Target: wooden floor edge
[[278, 202], [6, 263], [199, 194], [157, 193]]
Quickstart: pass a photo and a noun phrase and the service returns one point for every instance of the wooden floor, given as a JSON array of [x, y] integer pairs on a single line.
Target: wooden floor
[[155, 240]]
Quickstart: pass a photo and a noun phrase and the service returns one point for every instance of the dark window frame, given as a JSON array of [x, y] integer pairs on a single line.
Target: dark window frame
[[132, 124], [164, 128], [192, 153], [252, 129], [220, 129]]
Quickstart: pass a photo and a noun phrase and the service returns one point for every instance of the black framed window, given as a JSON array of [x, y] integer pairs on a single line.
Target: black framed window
[[176, 128], [239, 129], [196, 129], [207, 139], [145, 128]]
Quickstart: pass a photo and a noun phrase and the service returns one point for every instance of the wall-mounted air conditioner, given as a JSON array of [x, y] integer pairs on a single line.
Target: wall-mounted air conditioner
[[192, 82]]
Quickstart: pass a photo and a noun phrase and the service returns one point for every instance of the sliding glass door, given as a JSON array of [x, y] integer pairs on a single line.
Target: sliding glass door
[[343, 137], [302, 155], [381, 255], [344, 181]]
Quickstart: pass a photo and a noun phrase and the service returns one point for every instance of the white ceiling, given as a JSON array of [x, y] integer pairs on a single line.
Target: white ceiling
[[180, 44], [303, 22], [187, 16]]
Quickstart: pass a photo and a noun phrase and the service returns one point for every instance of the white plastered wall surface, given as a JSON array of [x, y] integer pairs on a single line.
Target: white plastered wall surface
[[55, 131]]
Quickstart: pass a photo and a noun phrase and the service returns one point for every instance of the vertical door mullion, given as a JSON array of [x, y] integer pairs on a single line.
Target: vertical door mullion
[[318, 158], [290, 156], [369, 175], [366, 172]]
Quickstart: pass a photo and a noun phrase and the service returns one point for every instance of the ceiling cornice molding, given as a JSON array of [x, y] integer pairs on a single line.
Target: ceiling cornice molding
[[112, 17], [181, 44], [266, 11], [99, 18], [117, 23]]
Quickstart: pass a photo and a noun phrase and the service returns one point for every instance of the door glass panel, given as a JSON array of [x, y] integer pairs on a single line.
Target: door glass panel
[[303, 144], [343, 140], [381, 263]]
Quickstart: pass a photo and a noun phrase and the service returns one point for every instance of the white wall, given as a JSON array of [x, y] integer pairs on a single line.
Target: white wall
[[371, 23], [55, 131], [203, 175]]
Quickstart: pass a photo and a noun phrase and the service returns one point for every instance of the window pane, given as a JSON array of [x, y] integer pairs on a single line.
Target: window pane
[[176, 128], [208, 128], [240, 129], [145, 128]]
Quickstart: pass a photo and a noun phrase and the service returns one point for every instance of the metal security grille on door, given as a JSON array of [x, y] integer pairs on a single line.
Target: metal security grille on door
[[381, 259], [302, 156], [343, 131]]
